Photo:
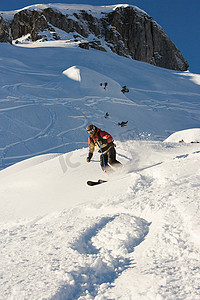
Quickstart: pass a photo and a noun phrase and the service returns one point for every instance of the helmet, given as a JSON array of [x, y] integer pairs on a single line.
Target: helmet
[[91, 128]]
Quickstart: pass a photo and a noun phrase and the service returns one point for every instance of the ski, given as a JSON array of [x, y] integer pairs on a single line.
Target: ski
[[91, 183]]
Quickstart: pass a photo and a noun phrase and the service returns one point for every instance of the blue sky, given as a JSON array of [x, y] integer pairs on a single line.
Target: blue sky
[[179, 18]]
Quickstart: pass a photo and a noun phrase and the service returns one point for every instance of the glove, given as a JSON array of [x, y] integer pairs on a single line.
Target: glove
[[89, 157]]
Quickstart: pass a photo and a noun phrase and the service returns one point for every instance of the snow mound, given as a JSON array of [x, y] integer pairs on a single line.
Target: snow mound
[[27, 163], [81, 81], [185, 136], [73, 73]]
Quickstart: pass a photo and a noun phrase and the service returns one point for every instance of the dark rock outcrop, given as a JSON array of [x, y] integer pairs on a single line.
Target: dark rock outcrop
[[26, 22], [127, 31], [4, 31]]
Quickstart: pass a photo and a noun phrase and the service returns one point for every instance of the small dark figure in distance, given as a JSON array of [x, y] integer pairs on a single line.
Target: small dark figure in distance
[[122, 124], [105, 85], [104, 143], [124, 89], [106, 115]]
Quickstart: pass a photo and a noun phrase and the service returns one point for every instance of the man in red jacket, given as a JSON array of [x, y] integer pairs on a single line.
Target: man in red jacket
[[104, 143]]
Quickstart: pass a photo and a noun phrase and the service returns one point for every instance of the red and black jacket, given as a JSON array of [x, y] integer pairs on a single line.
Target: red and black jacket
[[102, 140]]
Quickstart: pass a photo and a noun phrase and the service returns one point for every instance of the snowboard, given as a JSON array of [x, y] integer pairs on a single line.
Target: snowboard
[[92, 183]]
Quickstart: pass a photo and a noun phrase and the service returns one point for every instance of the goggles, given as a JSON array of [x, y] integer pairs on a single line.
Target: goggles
[[90, 131]]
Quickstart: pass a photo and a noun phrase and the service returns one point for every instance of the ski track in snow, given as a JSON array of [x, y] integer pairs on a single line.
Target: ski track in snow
[[40, 83], [87, 112], [93, 265]]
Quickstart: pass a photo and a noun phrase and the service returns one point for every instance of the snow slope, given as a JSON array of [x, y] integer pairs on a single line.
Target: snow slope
[[134, 237], [44, 110]]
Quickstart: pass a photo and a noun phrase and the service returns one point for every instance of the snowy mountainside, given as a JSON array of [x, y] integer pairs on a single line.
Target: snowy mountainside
[[123, 29], [43, 110], [136, 236]]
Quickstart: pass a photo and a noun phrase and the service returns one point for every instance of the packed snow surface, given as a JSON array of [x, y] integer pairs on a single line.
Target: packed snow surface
[[133, 237]]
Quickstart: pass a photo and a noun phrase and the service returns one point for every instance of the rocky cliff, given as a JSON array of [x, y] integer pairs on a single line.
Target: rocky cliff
[[126, 30]]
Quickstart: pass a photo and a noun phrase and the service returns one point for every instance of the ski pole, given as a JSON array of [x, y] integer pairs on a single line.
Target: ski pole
[[102, 157]]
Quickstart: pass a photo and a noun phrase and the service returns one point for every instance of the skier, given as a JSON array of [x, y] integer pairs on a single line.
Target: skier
[[122, 124], [104, 143]]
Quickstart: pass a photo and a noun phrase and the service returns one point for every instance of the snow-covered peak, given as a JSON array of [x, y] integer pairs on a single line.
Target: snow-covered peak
[[98, 27], [71, 8]]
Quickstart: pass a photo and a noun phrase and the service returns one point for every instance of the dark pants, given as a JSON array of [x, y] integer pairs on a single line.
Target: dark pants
[[109, 158]]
